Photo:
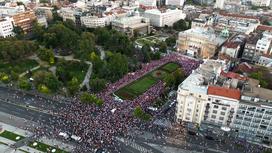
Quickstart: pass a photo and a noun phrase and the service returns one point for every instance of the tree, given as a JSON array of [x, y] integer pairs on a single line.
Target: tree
[[181, 25], [86, 45], [117, 66], [155, 56], [24, 84], [18, 32], [163, 47], [179, 76], [14, 50], [146, 53], [90, 99], [38, 31], [46, 55], [171, 41], [4, 77], [97, 84], [169, 80], [45, 79], [139, 113], [73, 86]]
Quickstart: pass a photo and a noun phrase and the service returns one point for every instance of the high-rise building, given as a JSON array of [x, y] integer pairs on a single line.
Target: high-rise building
[[24, 20]]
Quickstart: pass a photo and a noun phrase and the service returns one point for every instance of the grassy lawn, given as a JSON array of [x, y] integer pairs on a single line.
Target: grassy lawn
[[45, 148], [10, 135], [143, 42], [170, 67], [139, 86], [18, 67]]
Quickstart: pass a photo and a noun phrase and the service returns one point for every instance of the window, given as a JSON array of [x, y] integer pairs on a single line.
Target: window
[[213, 116], [224, 108], [222, 113], [221, 118], [217, 100], [209, 99], [215, 106], [215, 111]]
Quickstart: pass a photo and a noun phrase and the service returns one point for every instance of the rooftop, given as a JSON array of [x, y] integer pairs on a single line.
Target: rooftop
[[224, 92], [252, 89]]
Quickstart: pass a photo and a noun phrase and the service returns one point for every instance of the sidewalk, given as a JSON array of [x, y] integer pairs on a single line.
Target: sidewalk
[[58, 144]]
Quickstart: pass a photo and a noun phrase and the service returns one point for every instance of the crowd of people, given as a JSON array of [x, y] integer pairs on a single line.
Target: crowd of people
[[97, 126]]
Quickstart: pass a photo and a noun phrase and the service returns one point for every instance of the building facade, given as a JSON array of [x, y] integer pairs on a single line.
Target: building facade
[[24, 20], [130, 25], [6, 27], [164, 18], [199, 42], [93, 21]]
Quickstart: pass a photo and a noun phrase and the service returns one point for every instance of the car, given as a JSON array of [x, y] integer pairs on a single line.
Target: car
[[76, 138], [63, 134]]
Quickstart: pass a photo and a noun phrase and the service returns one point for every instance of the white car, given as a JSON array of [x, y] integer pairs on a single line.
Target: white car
[[63, 134], [76, 138]]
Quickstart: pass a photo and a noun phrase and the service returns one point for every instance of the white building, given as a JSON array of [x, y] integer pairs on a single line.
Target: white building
[[11, 10], [6, 27], [130, 25], [174, 2], [262, 3], [148, 3], [42, 21], [93, 21], [263, 44], [160, 19], [192, 97], [67, 13], [219, 4]]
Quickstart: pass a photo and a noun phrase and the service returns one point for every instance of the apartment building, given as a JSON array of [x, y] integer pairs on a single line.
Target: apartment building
[[148, 3], [6, 27], [234, 46], [174, 2], [192, 97], [130, 25], [24, 20], [253, 120], [250, 48], [199, 42], [93, 21], [162, 18]]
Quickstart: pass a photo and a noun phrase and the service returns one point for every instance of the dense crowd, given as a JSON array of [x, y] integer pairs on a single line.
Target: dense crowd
[[97, 126]]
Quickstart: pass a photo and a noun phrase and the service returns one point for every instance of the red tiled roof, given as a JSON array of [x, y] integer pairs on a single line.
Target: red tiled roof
[[230, 44], [224, 92], [233, 75], [239, 15], [264, 28]]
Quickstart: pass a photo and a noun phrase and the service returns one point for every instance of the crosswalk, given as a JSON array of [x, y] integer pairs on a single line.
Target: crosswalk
[[131, 143]]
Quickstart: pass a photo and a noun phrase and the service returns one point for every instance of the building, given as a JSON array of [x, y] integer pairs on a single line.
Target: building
[[6, 27], [24, 20], [254, 115], [164, 18], [93, 21], [261, 3], [221, 106], [211, 95], [199, 42], [250, 48], [148, 3], [67, 14], [192, 97], [265, 60], [41, 20], [234, 46], [178, 3], [219, 4], [258, 44], [130, 25], [9, 9]]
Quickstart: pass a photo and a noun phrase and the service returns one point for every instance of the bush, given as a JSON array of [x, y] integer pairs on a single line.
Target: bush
[[4, 77], [43, 89], [91, 99], [139, 113], [24, 84]]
